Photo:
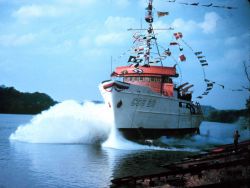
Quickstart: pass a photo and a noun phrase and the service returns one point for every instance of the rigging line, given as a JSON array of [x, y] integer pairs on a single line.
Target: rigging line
[[115, 60], [204, 78], [204, 5], [177, 63], [179, 68], [203, 69], [157, 45], [187, 44], [204, 73]]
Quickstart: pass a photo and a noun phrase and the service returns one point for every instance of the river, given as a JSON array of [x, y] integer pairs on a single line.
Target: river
[[73, 145]]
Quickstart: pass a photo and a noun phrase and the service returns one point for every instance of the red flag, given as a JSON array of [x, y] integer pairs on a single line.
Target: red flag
[[139, 48], [182, 57], [160, 14], [178, 35]]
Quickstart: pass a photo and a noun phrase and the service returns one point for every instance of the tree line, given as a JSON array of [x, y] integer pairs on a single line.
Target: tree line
[[13, 101]]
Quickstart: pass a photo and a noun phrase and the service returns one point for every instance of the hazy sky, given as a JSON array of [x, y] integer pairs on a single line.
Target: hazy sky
[[63, 47]]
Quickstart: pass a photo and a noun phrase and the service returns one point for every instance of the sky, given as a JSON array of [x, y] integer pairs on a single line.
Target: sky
[[63, 47]]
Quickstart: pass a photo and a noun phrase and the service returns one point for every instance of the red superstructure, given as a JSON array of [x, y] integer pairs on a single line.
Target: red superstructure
[[157, 78]]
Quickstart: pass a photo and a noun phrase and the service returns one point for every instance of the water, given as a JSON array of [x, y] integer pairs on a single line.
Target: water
[[73, 145]]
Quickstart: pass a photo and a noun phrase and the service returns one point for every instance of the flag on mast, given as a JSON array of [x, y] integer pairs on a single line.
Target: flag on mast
[[161, 14]]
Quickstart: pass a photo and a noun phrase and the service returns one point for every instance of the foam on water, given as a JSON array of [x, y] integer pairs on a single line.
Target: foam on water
[[67, 122], [211, 134], [72, 123], [116, 141]]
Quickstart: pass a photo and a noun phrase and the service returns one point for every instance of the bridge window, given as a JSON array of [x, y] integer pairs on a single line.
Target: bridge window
[[167, 80], [142, 79]]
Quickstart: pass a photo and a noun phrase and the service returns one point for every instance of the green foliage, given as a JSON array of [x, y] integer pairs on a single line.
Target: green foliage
[[15, 102], [248, 104]]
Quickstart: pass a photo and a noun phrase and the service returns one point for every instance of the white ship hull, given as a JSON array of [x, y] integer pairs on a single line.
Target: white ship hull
[[140, 113]]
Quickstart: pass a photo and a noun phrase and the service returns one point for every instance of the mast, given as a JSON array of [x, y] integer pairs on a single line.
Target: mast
[[149, 19], [150, 35]]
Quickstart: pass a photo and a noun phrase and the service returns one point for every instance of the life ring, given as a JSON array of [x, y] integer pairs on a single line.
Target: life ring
[[108, 87]]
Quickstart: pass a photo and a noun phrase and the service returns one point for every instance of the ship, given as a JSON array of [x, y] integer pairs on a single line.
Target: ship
[[145, 100]]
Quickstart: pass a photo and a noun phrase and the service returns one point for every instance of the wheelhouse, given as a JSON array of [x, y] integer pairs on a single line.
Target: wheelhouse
[[158, 79]]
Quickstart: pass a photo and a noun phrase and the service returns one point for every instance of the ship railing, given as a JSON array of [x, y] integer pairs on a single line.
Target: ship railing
[[197, 107]]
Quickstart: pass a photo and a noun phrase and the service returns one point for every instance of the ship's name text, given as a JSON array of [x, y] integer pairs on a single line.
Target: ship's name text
[[143, 102]]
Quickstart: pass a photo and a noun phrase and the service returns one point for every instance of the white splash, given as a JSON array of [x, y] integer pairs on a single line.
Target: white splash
[[116, 141], [71, 123], [67, 122], [211, 134]]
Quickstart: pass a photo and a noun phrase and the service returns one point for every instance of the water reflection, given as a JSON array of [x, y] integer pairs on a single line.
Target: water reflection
[[79, 165], [64, 165], [83, 165], [142, 162]]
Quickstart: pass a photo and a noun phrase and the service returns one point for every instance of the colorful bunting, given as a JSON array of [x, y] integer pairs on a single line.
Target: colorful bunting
[[145, 46], [173, 43], [203, 61], [197, 53], [200, 57], [205, 5], [210, 84], [205, 93], [136, 65], [194, 4], [209, 5], [149, 18], [178, 35], [161, 14], [182, 57], [140, 48], [132, 59], [237, 89], [221, 86], [155, 61], [149, 7], [167, 52]]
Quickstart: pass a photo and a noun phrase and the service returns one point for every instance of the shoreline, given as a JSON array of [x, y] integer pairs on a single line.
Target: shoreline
[[220, 166]]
